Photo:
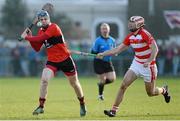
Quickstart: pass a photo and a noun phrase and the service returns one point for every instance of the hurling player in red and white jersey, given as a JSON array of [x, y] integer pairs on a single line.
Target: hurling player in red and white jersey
[[58, 58], [143, 64]]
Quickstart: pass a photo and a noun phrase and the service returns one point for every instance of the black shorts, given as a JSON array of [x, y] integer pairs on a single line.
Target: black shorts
[[67, 66], [101, 66]]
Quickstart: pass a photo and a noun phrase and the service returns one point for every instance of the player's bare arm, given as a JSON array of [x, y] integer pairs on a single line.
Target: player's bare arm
[[114, 51], [154, 53]]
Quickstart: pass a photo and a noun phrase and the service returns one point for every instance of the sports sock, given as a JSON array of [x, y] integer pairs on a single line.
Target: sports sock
[[107, 81], [81, 100], [41, 102], [163, 90], [159, 90], [115, 108], [101, 88]]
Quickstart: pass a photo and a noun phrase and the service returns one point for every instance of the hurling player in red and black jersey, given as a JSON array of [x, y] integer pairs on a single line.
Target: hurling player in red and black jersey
[[58, 58]]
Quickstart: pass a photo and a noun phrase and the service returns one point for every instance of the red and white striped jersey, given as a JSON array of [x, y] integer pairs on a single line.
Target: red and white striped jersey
[[141, 45]]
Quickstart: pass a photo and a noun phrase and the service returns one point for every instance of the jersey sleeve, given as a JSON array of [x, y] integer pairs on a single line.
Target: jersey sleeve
[[127, 41], [38, 38], [95, 47], [36, 45], [148, 38]]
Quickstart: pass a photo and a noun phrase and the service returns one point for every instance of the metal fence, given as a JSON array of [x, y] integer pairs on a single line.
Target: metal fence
[[23, 67]]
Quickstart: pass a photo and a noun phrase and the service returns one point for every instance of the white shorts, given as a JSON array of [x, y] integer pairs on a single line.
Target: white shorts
[[149, 73]]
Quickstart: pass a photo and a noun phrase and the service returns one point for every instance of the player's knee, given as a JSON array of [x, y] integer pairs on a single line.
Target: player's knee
[[44, 79], [44, 82], [74, 83]]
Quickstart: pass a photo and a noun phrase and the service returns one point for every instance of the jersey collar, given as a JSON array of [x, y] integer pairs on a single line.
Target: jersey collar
[[104, 37]]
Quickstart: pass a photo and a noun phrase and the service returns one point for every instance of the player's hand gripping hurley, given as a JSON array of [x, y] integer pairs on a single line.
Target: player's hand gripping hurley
[[47, 7]]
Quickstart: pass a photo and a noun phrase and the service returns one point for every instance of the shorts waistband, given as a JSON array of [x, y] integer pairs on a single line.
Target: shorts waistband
[[152, 63]]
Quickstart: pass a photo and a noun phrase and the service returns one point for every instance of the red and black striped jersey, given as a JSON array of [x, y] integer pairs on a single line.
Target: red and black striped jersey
[[53, 40]]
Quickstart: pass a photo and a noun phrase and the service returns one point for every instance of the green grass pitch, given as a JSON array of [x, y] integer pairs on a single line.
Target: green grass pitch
[[19, 97]]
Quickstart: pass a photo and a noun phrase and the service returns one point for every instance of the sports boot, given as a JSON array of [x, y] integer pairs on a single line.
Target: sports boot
[[110, 113], [166, 95], [38, 110], [83, 110]]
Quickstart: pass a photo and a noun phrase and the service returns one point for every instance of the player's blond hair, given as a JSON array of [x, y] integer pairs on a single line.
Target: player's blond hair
[[105, 24]]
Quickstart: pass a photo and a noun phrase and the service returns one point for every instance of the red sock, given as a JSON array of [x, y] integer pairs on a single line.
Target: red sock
[[81, 100], [41, 102], [115, 108]]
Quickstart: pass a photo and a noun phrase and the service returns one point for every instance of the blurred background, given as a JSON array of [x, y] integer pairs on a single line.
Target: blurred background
[[80, 21]]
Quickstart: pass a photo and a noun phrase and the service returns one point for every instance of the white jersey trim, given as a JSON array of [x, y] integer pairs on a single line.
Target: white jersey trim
[[139, 45], [146, 52]]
